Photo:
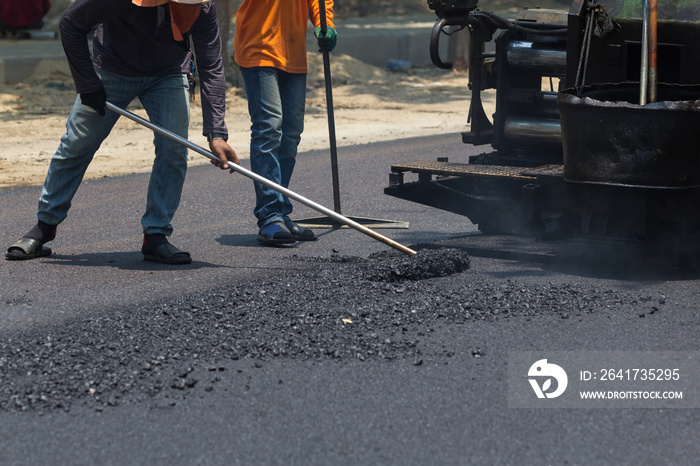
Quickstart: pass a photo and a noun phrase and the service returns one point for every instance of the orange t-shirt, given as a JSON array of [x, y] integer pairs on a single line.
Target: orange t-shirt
[[273, 32]]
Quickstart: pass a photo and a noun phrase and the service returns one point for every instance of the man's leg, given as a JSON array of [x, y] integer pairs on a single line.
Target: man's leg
[[265, 108], [293, 97], [85, 131], [293, 93], [166, 100]]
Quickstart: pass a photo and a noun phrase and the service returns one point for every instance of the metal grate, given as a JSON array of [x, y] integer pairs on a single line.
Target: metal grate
[[463, 169], [545, 170]]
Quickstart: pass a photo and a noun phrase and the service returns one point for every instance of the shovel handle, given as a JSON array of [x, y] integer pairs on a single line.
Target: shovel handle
[[322, 14]]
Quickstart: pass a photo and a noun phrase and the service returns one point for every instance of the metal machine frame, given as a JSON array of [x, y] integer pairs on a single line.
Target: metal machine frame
[[524, 186]]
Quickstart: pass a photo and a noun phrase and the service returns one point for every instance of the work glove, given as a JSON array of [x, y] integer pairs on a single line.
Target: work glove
[[327, 42], [95, 100]]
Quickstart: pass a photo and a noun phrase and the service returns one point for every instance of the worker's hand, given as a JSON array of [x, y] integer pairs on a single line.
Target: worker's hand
[[326, 43], [95, 100], [224, 152]]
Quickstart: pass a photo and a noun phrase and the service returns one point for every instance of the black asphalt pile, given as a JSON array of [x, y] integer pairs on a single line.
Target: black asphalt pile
[[335, 308], [394, 266]]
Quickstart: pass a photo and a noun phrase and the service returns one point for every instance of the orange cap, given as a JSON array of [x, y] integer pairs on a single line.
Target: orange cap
[[163, 2], [149, 2]]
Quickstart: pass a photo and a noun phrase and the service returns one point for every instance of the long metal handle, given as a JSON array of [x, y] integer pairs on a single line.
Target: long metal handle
[[331, 132], [653, 51], [329, 108], [644, 72], [255, 177]]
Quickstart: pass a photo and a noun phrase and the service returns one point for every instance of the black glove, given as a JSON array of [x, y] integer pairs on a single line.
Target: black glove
[[95, 100]]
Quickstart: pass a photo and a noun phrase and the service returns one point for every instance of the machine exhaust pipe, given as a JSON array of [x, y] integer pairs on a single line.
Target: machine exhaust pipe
[[528, 129]]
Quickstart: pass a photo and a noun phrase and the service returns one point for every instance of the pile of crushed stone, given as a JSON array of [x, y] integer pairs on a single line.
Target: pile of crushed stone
[[395, 266], [391, 266], [383, 307]]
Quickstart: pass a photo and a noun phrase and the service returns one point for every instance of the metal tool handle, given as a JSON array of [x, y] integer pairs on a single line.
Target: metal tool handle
[[653, 79], [335, 176], [255, 177], [322, 14], [644, 72]]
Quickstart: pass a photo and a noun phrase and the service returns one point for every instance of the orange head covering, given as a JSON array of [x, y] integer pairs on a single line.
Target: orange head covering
[[162, 2], [182, 15]]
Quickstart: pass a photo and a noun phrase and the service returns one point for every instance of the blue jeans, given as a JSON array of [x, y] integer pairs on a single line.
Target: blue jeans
[[165, 99], [276, 101]]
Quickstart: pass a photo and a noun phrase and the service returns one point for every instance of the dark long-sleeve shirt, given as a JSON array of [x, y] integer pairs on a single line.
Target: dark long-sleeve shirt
[[138, 41]]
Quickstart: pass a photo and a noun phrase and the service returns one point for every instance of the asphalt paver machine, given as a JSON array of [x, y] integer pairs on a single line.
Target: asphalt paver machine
[[596, 129]]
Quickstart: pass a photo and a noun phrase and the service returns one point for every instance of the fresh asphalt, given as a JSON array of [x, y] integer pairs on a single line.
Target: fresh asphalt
[[452, 408]]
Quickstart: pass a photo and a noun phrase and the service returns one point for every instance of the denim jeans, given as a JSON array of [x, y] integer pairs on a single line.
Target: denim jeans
[[276, 101], [165, 99]]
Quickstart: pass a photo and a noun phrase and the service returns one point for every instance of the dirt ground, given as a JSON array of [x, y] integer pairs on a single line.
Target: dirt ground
[[371, 104]]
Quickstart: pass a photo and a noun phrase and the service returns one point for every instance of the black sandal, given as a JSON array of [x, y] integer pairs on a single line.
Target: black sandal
[[300, 233], [275, 234], [25, 249]]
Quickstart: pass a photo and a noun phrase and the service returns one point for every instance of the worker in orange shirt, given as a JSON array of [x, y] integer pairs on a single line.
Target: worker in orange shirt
[[270, 49]]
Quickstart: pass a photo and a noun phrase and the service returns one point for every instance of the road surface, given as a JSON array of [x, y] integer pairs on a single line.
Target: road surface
[[254, 355]]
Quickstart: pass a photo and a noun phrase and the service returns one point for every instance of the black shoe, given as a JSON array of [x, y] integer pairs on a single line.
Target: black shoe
[[300, 233], [157, 249]]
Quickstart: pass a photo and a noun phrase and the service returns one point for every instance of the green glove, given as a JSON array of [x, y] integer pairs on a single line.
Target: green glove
[[326, 43]]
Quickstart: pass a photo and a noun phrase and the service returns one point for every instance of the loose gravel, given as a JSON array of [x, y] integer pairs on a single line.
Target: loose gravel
[[338, 307]]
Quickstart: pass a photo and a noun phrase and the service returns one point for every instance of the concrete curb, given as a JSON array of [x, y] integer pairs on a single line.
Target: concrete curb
[[20, 59]]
